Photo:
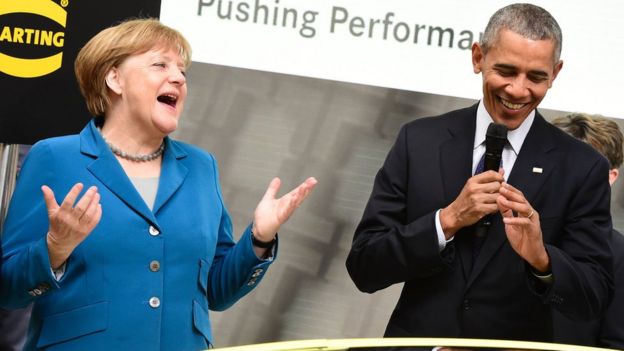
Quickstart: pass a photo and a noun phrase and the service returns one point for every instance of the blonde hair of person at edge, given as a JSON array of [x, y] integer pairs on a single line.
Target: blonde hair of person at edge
[[119, 235]]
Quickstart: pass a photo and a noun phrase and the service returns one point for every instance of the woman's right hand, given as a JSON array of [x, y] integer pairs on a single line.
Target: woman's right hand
[[69, 224]]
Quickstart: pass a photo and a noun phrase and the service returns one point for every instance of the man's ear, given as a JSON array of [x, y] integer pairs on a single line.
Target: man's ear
[[556, 71], [477, 57], [112, 80]]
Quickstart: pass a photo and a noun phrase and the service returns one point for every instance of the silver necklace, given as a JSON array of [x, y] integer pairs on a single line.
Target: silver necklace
[[134, 157]]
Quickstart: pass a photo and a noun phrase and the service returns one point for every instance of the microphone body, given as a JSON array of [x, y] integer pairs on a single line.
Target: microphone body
[[495, 141]]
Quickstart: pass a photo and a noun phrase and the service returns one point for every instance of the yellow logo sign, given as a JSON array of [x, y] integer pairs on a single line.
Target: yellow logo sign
[[30, 68]]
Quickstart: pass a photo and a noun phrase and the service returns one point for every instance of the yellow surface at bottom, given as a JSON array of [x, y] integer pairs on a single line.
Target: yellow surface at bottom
[[344, 344]]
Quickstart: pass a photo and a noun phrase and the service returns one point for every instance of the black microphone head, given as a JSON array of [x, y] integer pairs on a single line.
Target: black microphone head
[[495, 138], [495, 141], [497, 130]]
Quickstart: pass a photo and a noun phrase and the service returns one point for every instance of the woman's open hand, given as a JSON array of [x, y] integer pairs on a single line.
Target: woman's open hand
[[69, 224], [272, 212]]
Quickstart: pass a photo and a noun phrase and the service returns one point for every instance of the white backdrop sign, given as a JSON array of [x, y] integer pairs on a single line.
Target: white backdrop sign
[[413, 45]]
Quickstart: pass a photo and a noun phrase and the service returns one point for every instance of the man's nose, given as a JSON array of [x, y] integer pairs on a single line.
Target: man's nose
[[518, 87]]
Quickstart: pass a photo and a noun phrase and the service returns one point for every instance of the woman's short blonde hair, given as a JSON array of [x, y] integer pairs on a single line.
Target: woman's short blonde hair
[[112, 46]]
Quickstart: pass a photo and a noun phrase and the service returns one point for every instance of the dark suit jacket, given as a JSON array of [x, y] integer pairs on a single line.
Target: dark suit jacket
[[496, 296], [608, 331]]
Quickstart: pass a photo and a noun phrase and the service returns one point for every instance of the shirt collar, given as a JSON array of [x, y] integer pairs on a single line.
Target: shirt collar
[[516, 137]]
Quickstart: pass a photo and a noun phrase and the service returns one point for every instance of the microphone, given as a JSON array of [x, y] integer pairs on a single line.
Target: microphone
[[495, 141]]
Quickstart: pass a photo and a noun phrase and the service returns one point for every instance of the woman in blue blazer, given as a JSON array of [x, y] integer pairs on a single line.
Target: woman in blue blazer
[[140, 247]]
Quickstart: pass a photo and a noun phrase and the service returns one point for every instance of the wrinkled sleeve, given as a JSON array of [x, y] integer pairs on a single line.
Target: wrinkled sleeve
[[26, 270], [581, 260], [386, 248]]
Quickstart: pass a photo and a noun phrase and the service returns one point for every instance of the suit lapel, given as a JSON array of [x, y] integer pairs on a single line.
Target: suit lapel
[[456, 168], [172, 175], [535, 161], [530, 171], [109, 172]]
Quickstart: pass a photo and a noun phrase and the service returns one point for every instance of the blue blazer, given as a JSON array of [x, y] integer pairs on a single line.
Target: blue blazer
[[142, 279]]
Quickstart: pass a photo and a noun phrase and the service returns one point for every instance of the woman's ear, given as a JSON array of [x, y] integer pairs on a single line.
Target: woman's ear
[[112, 80]]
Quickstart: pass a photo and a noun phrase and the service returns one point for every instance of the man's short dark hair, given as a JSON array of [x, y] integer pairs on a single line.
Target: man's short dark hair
[[530, 21]]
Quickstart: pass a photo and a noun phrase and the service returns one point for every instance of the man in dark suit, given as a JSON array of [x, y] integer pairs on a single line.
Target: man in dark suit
[[605, 136], [548, 241]]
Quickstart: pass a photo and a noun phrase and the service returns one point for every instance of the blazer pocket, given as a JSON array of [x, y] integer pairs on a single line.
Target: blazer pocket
[[201, 321], [73, 324]]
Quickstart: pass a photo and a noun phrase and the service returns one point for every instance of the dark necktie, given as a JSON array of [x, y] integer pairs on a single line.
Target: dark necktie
[[480, 165]]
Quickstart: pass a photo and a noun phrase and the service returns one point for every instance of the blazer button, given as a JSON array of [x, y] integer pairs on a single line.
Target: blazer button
[[154, 266], [466, 305], [153, 231], [154, 302]]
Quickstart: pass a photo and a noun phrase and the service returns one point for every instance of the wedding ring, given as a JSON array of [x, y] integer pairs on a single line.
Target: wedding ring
[[530, 214]]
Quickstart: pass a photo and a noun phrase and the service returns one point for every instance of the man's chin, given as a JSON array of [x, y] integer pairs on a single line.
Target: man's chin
[[511, 122]]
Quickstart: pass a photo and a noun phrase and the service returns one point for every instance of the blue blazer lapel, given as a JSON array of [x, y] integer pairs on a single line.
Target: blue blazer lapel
[[172, 175], [108, 171], [537, 153]]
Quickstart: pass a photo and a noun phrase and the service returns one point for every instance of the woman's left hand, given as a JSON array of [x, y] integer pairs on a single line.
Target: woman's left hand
[[271, 212]]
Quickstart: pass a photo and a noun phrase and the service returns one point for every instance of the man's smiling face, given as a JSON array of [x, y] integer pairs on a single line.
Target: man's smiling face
[[517, 72]]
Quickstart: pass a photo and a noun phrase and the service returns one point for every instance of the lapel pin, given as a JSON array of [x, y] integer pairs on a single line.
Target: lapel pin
[[537, 170]]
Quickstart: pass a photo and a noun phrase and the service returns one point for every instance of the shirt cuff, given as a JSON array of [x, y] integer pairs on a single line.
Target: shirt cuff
[[59, 272], [546, 279], [441, 237]]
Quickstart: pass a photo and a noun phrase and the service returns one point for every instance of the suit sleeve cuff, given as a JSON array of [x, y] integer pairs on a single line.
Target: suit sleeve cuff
[[440, 233]]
